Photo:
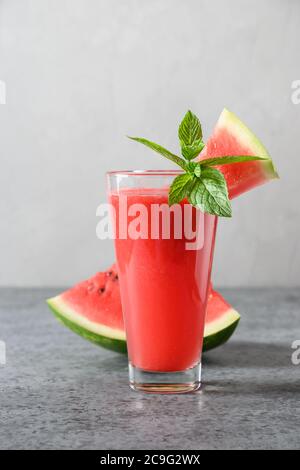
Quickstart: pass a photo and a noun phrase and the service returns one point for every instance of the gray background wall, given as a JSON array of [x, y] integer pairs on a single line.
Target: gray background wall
[[81, 74]]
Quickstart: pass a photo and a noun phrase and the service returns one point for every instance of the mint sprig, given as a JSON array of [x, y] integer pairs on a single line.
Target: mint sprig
[[161, 150], [215, 161], [190, 136], [209, 193], [204, 186], [180, 188]]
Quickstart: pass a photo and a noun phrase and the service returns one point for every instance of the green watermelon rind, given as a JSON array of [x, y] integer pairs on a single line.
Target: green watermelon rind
[[245, 136], [219, 331], [114, 344], [220, 337]]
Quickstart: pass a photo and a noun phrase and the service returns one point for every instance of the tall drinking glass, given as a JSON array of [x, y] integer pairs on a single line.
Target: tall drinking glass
[[164, 256]]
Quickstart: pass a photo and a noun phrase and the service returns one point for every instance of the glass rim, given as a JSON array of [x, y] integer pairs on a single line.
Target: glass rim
[[144, 172]]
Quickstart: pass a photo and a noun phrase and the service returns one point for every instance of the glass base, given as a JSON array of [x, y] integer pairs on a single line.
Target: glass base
[[185, 381]]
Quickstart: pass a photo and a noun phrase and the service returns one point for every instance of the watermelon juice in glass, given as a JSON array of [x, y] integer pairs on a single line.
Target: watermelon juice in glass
[[164, 272], [164, 259]]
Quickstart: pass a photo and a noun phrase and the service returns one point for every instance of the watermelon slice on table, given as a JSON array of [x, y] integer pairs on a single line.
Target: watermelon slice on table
[[93, 309], [232, 137]]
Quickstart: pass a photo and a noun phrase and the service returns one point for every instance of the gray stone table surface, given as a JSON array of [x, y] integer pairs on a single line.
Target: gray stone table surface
[[59, 391]]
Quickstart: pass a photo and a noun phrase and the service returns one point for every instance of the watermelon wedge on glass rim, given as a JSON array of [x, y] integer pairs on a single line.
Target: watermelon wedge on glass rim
[[93, 309], [232, 137]]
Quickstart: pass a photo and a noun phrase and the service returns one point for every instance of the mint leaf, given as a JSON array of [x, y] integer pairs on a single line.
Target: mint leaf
[[230, 159], [192, 151], [209, 193], [161, 150], [190, 129], [179, 188], [197, 170], [190, 166]]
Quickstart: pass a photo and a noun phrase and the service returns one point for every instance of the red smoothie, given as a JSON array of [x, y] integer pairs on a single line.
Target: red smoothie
[[164, 286]]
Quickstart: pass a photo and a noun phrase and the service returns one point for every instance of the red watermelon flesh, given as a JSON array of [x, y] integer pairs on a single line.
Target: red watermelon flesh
[[216, 305], [232, 137], [98, 299]]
